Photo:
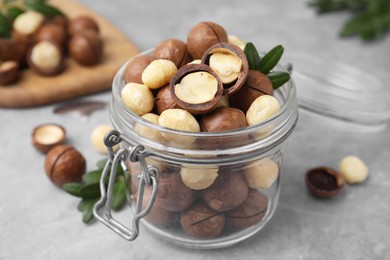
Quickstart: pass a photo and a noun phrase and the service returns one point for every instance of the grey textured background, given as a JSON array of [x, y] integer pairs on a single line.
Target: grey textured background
[[39, 221]]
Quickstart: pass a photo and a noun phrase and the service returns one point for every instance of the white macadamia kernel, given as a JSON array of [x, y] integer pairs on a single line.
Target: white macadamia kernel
[[138, 98], [158, 73], [197, 88], [263, 108], [199, 177], [148, 132], [233, 39], [261, 174], [97, 138], [227, 65], [196, 61], [353, 169], [28, 22], [46, 55]]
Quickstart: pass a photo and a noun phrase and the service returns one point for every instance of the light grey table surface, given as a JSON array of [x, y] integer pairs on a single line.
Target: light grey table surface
[[39, 221]]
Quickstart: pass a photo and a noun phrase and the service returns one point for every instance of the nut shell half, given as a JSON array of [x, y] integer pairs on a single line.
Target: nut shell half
[[46, 136], [324, 182], [195, 108]]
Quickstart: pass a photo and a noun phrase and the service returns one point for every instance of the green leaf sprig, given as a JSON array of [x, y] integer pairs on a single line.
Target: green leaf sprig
[[89, 191], [10, 9], [267, 63], [370, 20]]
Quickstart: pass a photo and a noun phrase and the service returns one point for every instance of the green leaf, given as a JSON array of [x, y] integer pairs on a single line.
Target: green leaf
[[278, 78], [73, 188], [101, 163], [5, 27], [13, 12], [45, 9], [28, 2], [270, 59], [88, 211], [252, 55], [119, 194], [90, 191], [92, 177], [82, 204]]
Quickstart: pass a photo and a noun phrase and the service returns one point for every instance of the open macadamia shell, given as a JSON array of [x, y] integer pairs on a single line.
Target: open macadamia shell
[[324, 182], [46, 136], [230, 49], [201, 107]]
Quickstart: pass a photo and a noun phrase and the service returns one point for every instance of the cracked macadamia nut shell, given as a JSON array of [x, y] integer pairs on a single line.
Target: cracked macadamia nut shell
[[64, 164], [204, 35]]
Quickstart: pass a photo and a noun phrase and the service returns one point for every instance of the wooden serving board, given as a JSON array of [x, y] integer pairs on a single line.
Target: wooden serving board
[[35, 90]]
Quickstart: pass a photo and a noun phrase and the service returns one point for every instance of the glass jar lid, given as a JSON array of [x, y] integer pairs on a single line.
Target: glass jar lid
[[342, 92]]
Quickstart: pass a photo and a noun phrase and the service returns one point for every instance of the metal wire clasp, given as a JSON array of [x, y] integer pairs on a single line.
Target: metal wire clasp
[[102, 208]]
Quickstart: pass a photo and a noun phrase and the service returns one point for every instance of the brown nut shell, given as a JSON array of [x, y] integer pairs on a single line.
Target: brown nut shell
[[256, 85], [201, 221], [195, 108], [82, 23], [9, 72], [324, 182], [250, 212], [204, 35], [64, 164], [52, 32], [14, 49], [227, 192], [46, 136], [86, 47], [157, 215], [164, 100], [173, 50], [234, 50], [135, 67]]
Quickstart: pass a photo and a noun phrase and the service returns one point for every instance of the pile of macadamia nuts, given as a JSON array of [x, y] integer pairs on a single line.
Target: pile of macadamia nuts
[[203, 85], [42, 45]]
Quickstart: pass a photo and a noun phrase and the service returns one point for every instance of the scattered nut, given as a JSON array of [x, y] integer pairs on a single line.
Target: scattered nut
[[28, 22], [324, 182], [261, 173], [164, 100], [353, 169], [9, 72], [198, 177], [147, 132], [263, 108], [86, 47], [53, 33], [256, 85], [82, 23], [233, 39], [47, 136], [204, 35], [138, 98], [202, 222], [46, 59], [227, 192], [158, 73], [64, 164], [196, 88], [173, 50], [230, 64], [250, 212], [135, 67], [97, 138]]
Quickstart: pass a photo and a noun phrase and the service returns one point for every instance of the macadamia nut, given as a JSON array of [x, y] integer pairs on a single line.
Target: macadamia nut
[[199, 177], [138, 98], [158, 73], [97, 138], [233, 39], [353, 169], [148, 132], [261, 174], [28, 22], [226, 65], [263, 108], [46, 56], [197, 88]]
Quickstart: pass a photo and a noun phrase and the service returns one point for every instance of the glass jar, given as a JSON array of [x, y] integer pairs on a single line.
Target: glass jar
[[198, 190]]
